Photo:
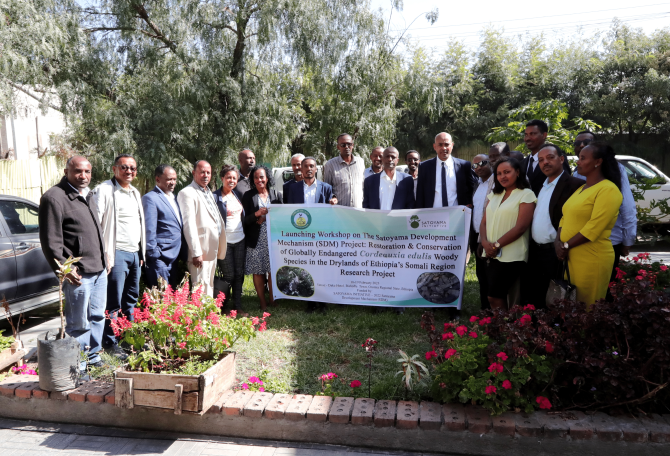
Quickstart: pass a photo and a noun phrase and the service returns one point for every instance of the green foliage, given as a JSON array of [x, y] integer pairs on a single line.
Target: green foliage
[[5, 342], [412, 370]]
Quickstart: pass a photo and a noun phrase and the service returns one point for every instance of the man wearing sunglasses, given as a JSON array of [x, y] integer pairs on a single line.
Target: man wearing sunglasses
[[118, 206], [624, 233]]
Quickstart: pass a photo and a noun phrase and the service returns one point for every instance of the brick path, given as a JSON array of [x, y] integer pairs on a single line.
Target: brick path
[[45, 439]]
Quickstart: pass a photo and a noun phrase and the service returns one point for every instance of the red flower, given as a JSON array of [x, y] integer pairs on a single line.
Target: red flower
[[461, 330], [451, 352], [507, 384], [448, 335], [525, 320], [490, 390], [502, 356], [431, 354], [485, 321], [473, 335], [663, 267], [639, 277], [448, 326], [620, 273], [266, 315], [544, 402], [549, 347], [232, 314], [473, 319], [496, 367], [355, 384], [529, 307]]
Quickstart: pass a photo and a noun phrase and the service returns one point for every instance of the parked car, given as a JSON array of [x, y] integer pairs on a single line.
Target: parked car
[[26, 279]]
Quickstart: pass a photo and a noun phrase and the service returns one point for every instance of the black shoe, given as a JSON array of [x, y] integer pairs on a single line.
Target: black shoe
[[311, 307], [323, 308], [117, 352]]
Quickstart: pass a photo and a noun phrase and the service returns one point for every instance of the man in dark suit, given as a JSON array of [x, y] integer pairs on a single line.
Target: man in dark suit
[[535, 137], [445, 180], [543, 263], [296, 160], [163, 227], [310, 190], [389, 189]]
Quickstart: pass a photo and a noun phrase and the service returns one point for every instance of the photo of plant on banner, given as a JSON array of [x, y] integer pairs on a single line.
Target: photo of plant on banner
[[439, 287]]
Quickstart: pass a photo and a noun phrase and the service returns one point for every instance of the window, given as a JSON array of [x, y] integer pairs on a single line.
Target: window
[[21, 218], [638, 170]]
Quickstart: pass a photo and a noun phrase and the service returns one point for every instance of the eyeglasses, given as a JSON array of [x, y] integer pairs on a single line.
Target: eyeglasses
[[586, 142], [480, 164], [132, 169], [346, 144]]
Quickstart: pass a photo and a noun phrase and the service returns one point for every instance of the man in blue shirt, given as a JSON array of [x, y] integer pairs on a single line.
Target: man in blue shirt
[[624, 233]]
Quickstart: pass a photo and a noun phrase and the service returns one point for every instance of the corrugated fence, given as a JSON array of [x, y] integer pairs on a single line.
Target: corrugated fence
[[29, 178]]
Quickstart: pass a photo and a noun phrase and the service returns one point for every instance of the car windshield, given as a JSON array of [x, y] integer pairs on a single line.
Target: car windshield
[[638, 170]]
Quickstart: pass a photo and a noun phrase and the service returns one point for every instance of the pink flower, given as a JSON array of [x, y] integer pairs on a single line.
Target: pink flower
[[181, 345], [461, 330], [490, 390], [473, 335], [529, 307], [496, 367], [255, 321], [266, 315], [448, 335], [245, 386], [473, 319], [355, 384], [262, 327], [620, 273], [502, 356], [639, 277], [507, 384], [663, 267], [232, 314], [255, 380], [485, 321], [544, 402], [261, 389], [431, 354], [451, 352]]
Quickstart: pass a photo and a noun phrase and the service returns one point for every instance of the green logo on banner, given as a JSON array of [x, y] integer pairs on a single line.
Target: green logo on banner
[[414, 221], [301, 219]]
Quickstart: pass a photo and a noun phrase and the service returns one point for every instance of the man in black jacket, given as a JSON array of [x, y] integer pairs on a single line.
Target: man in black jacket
[[535, 136], [557, 187], [68, 227]]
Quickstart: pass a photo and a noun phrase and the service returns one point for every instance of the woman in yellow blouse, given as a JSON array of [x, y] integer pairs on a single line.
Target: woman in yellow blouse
[[504, 229], [588, 218]]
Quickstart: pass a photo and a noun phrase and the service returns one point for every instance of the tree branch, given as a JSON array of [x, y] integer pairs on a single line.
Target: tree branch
[[34, 97], [144, 15]]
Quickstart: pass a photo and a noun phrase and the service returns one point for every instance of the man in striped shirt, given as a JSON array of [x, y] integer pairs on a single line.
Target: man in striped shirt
[[345, 174]]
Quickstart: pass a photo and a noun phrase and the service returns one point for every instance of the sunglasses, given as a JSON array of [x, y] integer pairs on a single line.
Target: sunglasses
[[480, 164], [586, 142], [132, 169]]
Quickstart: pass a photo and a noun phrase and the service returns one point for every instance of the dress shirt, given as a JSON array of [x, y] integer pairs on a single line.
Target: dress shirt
[[625, 228], [234, 228], [84, 191], [479, 201], [128, 223], [387, 186], [173, 203], [369, 172], [209, 200], [451, 182], [542, 230], [416, 181], [310, 192], [346, 180]]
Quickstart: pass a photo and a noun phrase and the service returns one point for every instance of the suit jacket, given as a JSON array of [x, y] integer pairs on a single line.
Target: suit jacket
[[402, 199], [286, 189], [465, 183], [565, 187], [223, 206], [537, 177], [163, 227], [250, 204], [200, 228], [324, 193]]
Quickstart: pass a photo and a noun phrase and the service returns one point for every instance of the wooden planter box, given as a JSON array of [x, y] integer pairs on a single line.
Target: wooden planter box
[[187, 393], [11, 355]]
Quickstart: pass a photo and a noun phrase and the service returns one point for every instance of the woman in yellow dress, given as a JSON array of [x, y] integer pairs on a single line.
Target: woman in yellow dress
[[588, 218]]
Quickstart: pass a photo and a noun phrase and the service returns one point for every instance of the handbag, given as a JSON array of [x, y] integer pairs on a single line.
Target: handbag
[[560, 288]]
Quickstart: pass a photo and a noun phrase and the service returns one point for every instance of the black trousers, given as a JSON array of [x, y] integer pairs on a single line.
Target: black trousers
[[480, 270], [541, 268], [232, 272]]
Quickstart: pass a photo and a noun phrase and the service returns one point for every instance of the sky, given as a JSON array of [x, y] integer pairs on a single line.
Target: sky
[[564, 19]]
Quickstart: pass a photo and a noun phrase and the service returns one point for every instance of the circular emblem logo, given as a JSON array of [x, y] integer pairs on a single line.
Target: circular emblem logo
[[301, 219]]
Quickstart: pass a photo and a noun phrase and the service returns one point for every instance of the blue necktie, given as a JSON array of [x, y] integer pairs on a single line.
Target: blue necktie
[[445, 197]]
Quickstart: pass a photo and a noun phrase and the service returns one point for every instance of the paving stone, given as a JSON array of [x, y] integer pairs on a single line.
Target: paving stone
[[60, 395], [97, 391], [26, 389], [581, 425], [235, 403], [319, 408], [478, 419], [340, 412], [606, 428], [527, 425], [407, 415], [257, 404], [217, 406], [79, 394], [659, 429], [39, 393], [110, 398], [277, 406], [363, 411], [504, 424], [430, 416], [633, 429], [385, 413], [454, 417], [554, 424], [8, 385], [297, 408]]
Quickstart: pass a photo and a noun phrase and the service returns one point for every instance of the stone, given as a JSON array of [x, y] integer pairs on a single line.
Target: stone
[[26, 389], [97, 391], [659, 429], [478, 419], [454, 417], [384, 413], [633, 429], [581, 426], [277, 406], [61, 395], [554, 425], [527, 425], [340, 411], [319, 408], [430, 416], [110, 398], [363, 412], [235, 403], [79, 393], [257, 404], [297, 408], [606, 428], [407, 415], [39, 393], [504, 424]]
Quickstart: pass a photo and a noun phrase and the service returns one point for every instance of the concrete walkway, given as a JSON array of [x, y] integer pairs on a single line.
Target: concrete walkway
[[44, 439]]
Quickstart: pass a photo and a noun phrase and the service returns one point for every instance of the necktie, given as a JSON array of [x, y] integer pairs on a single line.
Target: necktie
[[445, 197]]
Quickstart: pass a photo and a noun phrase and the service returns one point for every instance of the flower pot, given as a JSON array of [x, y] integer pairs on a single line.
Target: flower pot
[[181, 393], [58, 362], [12, 355]]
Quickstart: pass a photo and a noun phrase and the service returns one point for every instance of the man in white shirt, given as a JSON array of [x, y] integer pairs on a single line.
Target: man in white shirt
[[390, 189], [543, 264], [376, 160], [484, 172]]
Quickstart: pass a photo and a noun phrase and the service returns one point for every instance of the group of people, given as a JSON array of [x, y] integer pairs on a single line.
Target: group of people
[[529, 215]]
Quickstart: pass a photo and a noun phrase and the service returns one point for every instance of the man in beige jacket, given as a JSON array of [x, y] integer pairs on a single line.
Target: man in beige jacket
[[204, 230]]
